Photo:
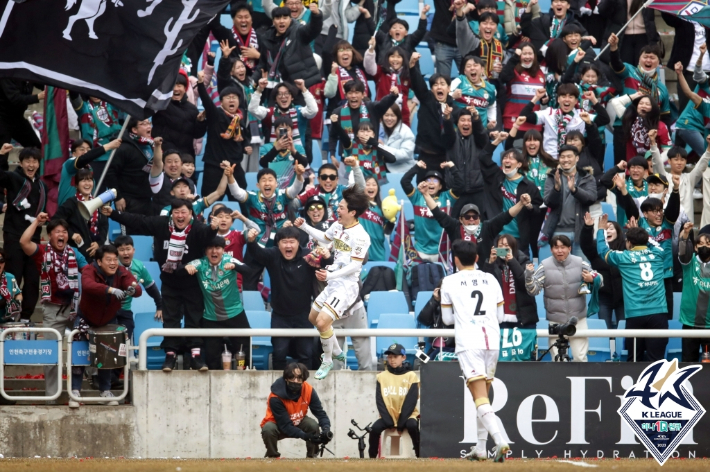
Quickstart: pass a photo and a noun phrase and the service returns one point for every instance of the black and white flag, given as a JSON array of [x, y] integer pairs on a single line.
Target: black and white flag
[[127, 52]]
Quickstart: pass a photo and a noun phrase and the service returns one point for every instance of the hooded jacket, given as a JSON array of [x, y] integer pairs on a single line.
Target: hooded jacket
[[97, 305], [278, 412], [15, 222], [400, 144]]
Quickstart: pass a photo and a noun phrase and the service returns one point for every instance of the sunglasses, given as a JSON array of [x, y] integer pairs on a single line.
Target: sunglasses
[[470, 217], [328, 176], [315, 207]]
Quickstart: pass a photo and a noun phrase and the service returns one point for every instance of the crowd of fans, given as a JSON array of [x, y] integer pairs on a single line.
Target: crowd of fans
[[529, 88]]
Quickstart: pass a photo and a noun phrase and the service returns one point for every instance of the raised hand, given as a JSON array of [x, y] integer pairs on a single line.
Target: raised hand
[[263, 82], [685, 232], [298, 222], [676, 181], [414, 58], [350, 161], [6, 148], [519, 121], [613, 42], [371, 43], [447, 112], [591, 96], [334, 68], [678, 68], [421, 164], [539, 94], [457, 94], [526, 200], [115, 144], [558, 180], [226, 48], [619, 181], [299, 169], [333, 118], [425, 10], [314, 8], [157, 143], [301, 84], [364, 12], [446, 164], [585, 117], [632, 223], [423, 187], [622, 165], [201, 77], [579, 56], [588, 220], [493, 256], [251, 235]]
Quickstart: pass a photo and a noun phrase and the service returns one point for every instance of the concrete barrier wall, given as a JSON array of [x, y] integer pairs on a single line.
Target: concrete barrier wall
[[184, 414]]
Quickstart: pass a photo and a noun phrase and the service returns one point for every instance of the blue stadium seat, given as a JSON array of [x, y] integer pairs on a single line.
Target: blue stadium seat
[[252, 300], [199, 161], [200, 180], [370, 264], [385, 302], [154, 270], [408, 210], [393, 181], [143, 304], [266, 280], [410, 7], [143, 321], [421, 301], [114, 229], [414, 121], [609, 154], [540, 302], [261, 345], [676, 305], [317, 156], [396, 321], [674, 349], [543, 253], [426, 61], [609, 210], [251, 180], [621, 351], [144, 248], [599, 350]]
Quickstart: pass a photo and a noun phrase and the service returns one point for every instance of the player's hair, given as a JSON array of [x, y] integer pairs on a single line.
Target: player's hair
[[283, 120], [290, 232], [79, 142], [535, 68], [677, 151], [289, 371], [489, 16], [30, 153], [106, 249], [327, 166], [84, 173], [586, 67], [700, 237], [234, 9], [217, 241], [436, 77], [264, 172], [354, 86], [637, 236], [651, 49], [187, 158], [170, 152], [473, 58], [568, 89], [575, 133], [365, 126], [570, 29], [512, 243], [280, 12], [560, 238], [518, 156], [176, 203], [356, 199], [357, 57], [466, 251], [619, 244], [291, 89], [56, 222], [223, 209], [569, 147], [123, 240], [486, 4], [535, 135], [651, 204]]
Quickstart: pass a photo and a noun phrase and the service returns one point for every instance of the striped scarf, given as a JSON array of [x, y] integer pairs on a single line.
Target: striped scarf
[[94, 222], [563, 120], [234, 129], [251, 42], [20, 202], [13, 308], [176, 246], [345, 77], [372, 165], [490, 52], [66, 275], [274, 113], [346, 121], [520, 7]]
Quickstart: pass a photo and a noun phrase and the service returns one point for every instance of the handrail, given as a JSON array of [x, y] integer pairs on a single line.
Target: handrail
[[126, 375], [7, 331], [433, 333]]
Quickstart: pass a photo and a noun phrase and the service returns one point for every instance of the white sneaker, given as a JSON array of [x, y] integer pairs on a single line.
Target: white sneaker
[[74, 403], [109, 394], [476, 455], [697, 194]]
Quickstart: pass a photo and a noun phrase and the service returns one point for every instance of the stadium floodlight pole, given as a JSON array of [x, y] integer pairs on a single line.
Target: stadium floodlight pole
[[113, 151], [624, 27]]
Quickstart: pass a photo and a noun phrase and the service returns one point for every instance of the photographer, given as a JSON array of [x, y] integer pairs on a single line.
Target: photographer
[[430, 316], [291, 397], [397, 396], [561, 277]]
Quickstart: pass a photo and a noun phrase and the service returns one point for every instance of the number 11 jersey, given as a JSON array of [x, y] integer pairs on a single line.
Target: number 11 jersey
[[474, 296]]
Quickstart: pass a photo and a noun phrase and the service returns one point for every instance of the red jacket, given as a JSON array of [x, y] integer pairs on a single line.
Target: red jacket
[[97, 306]]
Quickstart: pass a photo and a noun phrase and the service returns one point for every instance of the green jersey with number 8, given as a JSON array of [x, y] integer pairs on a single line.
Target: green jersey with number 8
[[642, 276]]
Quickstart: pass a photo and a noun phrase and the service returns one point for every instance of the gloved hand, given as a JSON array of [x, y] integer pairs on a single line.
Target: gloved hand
[[313, 438], [326, 436], [118, 293], [372, 142], [130, 291]]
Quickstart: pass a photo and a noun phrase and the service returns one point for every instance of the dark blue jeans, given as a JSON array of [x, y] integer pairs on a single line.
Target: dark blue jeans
[[607, 310]]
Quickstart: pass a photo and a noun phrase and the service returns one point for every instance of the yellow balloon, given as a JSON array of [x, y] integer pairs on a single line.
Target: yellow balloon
[[390, 206]]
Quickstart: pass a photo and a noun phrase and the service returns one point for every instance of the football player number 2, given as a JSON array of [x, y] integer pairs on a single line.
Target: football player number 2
[[478, 296], [646, 272]]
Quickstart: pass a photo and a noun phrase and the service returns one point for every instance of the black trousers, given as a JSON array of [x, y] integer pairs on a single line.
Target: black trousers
[[214, 347], [19, 129], [250, 280], [25, 271], [619, 145], [630, 47], [655, 347], [668, 284], [300, 349], [179, 300], [692, 346], [214, 174], [379, 426]]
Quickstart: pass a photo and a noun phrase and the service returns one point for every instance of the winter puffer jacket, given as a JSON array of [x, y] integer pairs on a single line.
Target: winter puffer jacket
[[178, 126], [401, 144]]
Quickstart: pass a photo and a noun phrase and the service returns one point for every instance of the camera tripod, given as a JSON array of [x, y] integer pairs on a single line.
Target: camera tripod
[[562, 345], [360, 439]]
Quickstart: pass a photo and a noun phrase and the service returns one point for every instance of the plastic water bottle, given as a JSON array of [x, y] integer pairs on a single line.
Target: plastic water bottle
[[241, 358], [226, 359], [705, 358]]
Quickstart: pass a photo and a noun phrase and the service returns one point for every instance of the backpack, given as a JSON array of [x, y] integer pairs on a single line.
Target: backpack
[[425, 277], [378, 279]]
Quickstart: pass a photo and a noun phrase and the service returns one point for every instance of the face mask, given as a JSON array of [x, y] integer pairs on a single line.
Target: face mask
[[294, 387], [511, 174], [657, 195], [471, 229], [647, 73], [704, 253], [567, 171], [526, 66]]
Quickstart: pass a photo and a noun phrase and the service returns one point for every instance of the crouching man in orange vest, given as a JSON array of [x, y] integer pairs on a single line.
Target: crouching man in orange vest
[[286, 409]]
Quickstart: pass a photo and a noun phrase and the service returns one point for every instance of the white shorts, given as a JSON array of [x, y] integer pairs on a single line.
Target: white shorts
[[478, 364], [337, 298]]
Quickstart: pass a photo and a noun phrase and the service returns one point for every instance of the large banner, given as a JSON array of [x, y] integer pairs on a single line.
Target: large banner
[[547, 409]]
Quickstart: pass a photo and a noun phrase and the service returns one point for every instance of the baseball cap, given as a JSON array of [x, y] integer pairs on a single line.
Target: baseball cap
[[396, 349], [315, 199], [657, 179], [183, 180], [469, 207], [434, 173]]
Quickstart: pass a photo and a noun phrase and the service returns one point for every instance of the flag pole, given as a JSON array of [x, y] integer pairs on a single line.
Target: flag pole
[[113, 151], [624, 27]]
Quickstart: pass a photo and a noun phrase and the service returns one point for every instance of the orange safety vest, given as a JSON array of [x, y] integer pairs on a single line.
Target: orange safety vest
[[296, 409]]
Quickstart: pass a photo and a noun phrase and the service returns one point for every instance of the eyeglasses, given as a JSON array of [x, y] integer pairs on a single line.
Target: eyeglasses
[[315, 207], [432, 180], [344, 49], [283, 95], [473, 217], [657, 210], [328, 176]]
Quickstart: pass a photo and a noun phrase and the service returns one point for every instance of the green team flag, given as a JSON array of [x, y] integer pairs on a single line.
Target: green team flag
[[694, 10], [55, 143]]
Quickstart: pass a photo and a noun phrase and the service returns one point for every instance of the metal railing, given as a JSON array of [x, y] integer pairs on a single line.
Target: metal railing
[[3, 335], [414, 333]]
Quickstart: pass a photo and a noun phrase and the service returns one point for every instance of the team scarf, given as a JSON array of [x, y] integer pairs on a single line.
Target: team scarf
[[372, 165], [510, 307], [649, 85], [563, 120], [13, 307], [346, 120], [556, 27], [274, 74], [20, 202], [145, 144], [639, 136], [345, 77], [520, 7], [176, 246], [468, 89], [234, 130], [100, 115], [275, 112], [251, 42], [490, 52], [268, 218], [66, 274], [476, 236], [604, 94], [537, 173], [94, 221]]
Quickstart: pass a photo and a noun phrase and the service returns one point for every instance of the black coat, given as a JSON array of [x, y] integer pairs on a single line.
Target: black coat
[[526, 310], [538, 29], [489, 229], [15, 223], [178, 126], [441, 22], [684, 41], [616, 13], [591, 158], [128, 172], [365, 27], [494, 178], [430, 316], [69, 211], [430, 137], [297, 60], [15, 96], [611, 275]]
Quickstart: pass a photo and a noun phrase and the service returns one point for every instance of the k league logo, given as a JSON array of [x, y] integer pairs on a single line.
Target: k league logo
[[659, 409]]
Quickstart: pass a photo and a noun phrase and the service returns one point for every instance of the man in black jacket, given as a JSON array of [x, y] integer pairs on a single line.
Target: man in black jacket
[[290, 398], [177, 240], [286, 53], [548, 26], [26, 198], [292, 282], [130, 169], [179, 124], [15, 96]]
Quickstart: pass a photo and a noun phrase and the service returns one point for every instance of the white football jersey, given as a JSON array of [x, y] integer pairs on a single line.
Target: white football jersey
[[474, 296], [349, 244]]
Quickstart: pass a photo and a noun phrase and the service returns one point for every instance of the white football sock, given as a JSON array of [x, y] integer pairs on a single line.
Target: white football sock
[[327, 349], [482, 434], [490, 421], [335, 346]]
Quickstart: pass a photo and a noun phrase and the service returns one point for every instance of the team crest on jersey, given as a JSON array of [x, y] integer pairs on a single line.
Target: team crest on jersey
[[659, 409]]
